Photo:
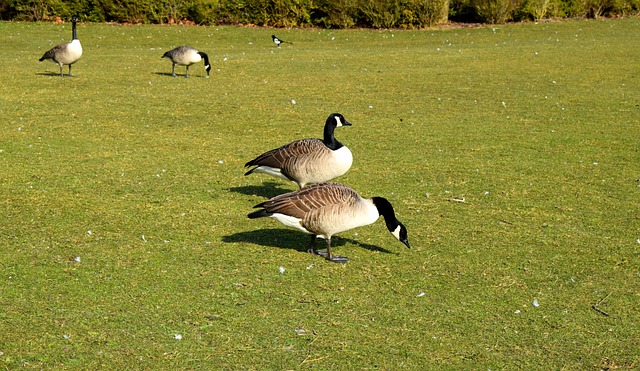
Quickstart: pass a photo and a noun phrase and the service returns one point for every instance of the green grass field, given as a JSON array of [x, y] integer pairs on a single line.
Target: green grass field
[[124, 241]]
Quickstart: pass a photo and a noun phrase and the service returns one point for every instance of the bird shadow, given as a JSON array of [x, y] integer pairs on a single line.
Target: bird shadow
[[267, 190], [52, 74], [288, 239], [177, 75], [167, 74]]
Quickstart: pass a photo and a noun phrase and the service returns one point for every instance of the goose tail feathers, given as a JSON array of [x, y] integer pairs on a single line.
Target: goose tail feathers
[[259, 214]]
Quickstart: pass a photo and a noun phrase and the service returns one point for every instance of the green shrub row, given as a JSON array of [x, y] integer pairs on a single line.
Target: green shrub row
[[314, 13], [501, 11]]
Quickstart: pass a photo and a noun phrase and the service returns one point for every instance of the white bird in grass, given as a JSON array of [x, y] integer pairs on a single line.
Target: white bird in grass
[[186, 56], [67, 53], [309, 160], [325, 209]]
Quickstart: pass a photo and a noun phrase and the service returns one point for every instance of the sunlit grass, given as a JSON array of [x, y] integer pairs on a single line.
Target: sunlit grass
[[124, 237]]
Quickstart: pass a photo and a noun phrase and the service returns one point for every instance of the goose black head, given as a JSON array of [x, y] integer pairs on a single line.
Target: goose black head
[[401, 234], [336, 120], [74, 32], [333, 121], [207, 65], [394, 226]]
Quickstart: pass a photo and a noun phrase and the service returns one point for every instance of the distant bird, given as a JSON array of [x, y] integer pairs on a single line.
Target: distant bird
[[186, 56], [309, 160], [67, 53], [325, 209], [278, 41]]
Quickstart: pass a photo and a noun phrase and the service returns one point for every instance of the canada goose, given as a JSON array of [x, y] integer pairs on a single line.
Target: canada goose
[[67, 53], [278, 41], [325, 209], [307, 161], [186, 56]]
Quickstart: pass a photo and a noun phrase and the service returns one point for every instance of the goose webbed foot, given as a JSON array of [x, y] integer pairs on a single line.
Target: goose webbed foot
[[333, 258], [326, 253]]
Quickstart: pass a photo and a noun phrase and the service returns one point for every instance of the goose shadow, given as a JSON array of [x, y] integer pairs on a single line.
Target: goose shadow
[[53, 74], [177, 75], [266, 190], [292, 240]]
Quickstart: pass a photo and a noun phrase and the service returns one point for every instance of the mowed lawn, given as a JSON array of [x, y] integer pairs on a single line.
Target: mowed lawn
[[511, 153]]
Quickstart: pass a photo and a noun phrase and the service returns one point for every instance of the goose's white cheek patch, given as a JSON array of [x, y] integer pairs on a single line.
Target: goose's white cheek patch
[[338, 121], [396, 232]]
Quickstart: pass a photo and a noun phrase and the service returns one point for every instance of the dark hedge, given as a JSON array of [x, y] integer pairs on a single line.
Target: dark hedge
[[313, 13]]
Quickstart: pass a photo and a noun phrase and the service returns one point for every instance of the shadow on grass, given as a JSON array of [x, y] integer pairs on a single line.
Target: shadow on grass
[[178, 75], [53, 74], [266, 190], [289, 239]]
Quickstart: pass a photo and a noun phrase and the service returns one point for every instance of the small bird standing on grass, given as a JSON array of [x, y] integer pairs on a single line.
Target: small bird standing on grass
[[67, 53], [278, 41], [186, 56]]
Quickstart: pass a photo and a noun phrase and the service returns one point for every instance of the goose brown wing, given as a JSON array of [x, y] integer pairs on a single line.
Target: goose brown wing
[[51, 53], [314, 197], [278, 157]]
